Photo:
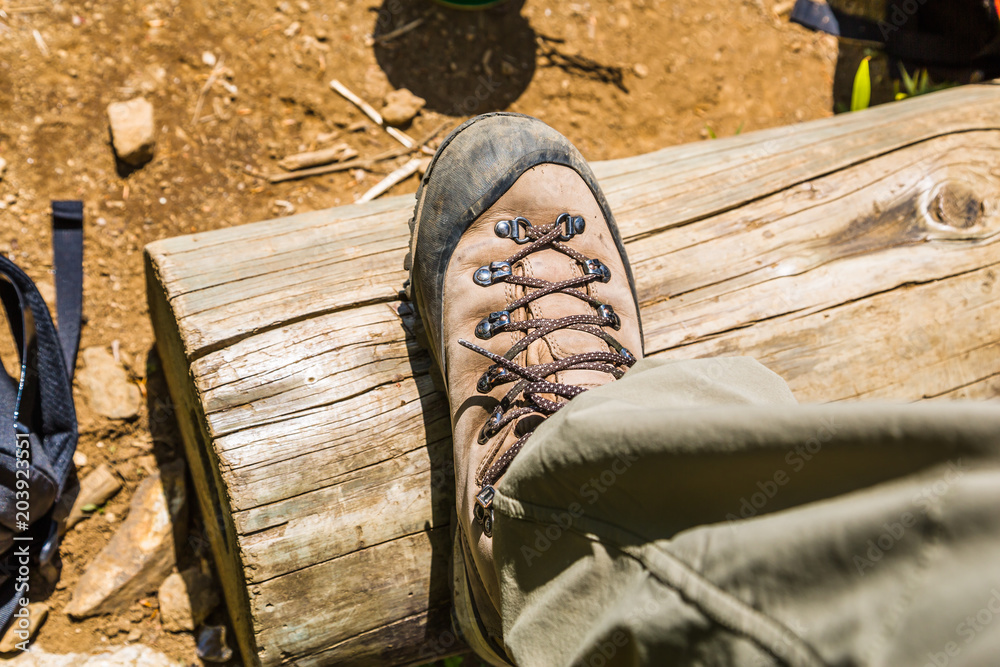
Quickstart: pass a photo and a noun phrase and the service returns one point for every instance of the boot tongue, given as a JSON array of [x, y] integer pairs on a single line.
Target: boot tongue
[[553, 266]]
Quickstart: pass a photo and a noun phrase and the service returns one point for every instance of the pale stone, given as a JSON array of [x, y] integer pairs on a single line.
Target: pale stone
[[141, 553], [401, 106], [3, 167], [133, 130], [186, 598], [95, 489], [134, 655], [106, 385], [24, 630]]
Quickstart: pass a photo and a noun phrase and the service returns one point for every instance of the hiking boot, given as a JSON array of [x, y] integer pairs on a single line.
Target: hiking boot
[[520, 277]]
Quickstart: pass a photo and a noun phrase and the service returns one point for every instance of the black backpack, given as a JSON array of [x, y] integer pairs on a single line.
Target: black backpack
[[38, 430], [929, 33]]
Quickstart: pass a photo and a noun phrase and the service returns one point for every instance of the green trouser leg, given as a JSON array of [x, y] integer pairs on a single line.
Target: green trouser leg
[[692, 513]]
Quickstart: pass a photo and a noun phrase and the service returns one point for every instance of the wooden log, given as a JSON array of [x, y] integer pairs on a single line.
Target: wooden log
[[856, 256]]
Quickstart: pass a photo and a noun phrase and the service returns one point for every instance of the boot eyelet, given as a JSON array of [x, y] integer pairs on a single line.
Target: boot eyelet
[[571, 226], [511, 229], [629, 357], [483, 276], [608, 312], [483, 509], [487, 275], [594, 267], [489, 378], [500, 269], [488, 326], [491, 427], [502, 229]]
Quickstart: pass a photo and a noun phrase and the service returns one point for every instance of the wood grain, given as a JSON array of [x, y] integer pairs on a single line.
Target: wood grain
[[856, 256]]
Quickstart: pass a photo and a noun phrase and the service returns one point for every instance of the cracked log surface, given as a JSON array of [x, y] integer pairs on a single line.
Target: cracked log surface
[[856, 256]]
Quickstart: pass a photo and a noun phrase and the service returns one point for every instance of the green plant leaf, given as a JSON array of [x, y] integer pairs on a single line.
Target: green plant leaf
[[909, 84], [740, 128], [89, 507], [861, 95], [711, 133]]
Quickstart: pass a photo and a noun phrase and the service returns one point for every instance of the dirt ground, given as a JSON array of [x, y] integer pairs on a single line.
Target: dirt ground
[[618, 78]]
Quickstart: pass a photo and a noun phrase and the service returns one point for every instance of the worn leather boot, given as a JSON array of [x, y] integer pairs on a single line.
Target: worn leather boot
[[520, 277]]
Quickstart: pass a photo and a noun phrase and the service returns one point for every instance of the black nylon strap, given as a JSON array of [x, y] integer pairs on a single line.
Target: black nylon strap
[[67, 252]]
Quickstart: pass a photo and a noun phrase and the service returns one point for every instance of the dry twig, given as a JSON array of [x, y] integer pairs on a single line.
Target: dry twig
[[369, 111], [361, 163], [393, 34], [392, 179], [216, 71], [337, 153]]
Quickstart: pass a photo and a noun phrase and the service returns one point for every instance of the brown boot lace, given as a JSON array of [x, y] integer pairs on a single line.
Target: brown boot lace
[[530, 381]]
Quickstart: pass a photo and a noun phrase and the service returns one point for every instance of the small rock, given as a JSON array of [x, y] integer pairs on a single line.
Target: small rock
[[212, 644], [209, 58], [401, 106], [134, 655], [106, 385], [640, 70], [293, 29], [133, 636], [186, 598], [95, 490], [142, 552], [24, 629], [3, 167], [133, 132], [79, 459]]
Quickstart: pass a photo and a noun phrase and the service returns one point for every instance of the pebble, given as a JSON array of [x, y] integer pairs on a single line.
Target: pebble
[[79, 459], [401, 106], [209, 58], [141, 553], [3, 167], [17, 634], [133, 132], [106, 385], [640, 70], [186, 598]]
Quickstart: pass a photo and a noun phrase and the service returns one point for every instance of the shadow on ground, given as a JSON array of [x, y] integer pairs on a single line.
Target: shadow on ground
[[461, 62]]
